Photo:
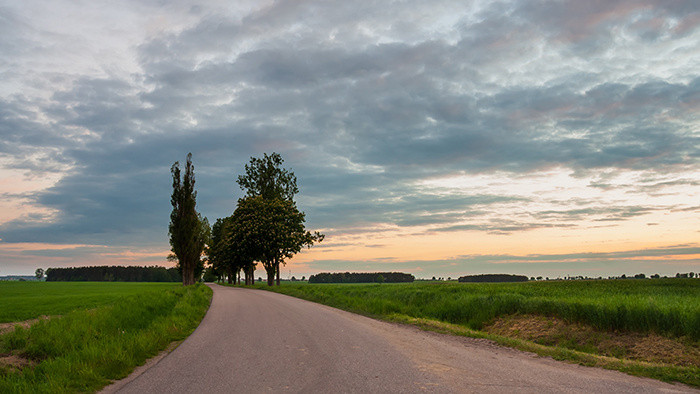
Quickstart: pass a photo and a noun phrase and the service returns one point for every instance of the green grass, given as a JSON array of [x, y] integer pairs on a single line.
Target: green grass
[[27, 300], [665, 306], [85, 349]]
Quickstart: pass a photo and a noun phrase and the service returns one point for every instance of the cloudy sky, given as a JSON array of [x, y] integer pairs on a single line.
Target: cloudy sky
[[433, 137]]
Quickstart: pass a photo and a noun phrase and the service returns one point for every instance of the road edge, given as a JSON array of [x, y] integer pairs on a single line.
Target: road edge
[[117, 385]]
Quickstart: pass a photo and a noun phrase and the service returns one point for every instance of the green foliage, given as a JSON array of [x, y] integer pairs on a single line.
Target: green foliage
[[493, 278], [189, 232], [361, 277], [229, 252], [113, 274], [271, 231], [266, 178], [209, 274], [85, 349], [667, 307]]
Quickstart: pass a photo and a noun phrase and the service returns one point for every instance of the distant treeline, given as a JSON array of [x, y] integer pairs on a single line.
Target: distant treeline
[[361, 277], [493, 278], [113, 274]]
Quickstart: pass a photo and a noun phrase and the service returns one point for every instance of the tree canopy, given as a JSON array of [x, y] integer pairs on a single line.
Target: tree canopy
[[271, 231], [265, 177]]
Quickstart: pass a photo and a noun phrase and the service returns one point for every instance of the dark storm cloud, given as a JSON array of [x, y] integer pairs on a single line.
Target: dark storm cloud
[[363, 102]]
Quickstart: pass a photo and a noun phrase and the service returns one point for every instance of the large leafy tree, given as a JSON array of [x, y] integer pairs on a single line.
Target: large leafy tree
[[269, 214], [189, 231], [272, 230]]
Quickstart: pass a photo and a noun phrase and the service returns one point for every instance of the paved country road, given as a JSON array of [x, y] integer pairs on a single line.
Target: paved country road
[[254, 341]]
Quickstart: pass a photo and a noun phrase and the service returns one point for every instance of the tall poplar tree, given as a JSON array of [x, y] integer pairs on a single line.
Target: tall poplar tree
[[188, 231]]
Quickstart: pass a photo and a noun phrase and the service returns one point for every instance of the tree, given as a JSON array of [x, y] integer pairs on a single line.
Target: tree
[[218, 258], [39, 273], [270, 215], [188, 231], [272, 231], [231, 250]]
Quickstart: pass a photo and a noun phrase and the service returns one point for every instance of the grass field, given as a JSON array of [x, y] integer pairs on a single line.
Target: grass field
[[595, 313], [104, 331], [28, 300]]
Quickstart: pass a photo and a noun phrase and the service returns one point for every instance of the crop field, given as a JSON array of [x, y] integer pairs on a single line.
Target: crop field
[[99, 332], [582, 321], [28, 300]]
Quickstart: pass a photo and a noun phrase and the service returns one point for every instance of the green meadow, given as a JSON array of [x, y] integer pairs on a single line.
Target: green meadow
[[600, 312], [99, 332], [28, 300]]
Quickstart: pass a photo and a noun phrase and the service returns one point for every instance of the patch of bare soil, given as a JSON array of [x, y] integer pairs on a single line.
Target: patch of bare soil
[[7, 327], [636, 346], [13, 361]]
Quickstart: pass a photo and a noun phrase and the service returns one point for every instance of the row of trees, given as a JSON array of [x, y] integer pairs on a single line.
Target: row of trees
[[493, 278], [112, 274], [361, 277], [266, 225]]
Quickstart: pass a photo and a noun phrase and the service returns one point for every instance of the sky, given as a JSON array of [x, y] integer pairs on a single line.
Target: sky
[[438, 138]]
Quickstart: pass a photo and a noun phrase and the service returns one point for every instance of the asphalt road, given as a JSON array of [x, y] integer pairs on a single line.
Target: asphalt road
[[254, 341]]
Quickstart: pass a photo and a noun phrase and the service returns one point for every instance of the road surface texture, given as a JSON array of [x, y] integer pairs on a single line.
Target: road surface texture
[[254, 341]]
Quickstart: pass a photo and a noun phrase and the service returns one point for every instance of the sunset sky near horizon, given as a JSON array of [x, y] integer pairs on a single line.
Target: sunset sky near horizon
[[439, 138]]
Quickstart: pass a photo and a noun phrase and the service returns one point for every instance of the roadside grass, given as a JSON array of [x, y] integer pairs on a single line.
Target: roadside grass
[[665, 307], [28, 300], [85, 349]]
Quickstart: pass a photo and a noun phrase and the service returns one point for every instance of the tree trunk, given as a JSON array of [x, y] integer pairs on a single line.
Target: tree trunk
[[277, 268], [270, 274], [187, 275]]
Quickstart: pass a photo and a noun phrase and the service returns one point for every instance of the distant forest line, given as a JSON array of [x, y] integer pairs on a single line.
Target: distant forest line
[[113, 274], [356, 277], [162, 274]]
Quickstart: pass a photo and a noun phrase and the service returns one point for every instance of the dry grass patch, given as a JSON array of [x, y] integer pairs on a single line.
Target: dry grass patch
[[14, 362], [7, 327], [552, 331]]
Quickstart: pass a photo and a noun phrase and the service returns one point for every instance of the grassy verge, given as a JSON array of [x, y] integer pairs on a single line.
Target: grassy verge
[[651, 307], [85, 349]]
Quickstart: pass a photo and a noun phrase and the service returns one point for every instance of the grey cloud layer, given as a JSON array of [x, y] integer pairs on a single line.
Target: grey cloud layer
[[362, 101]]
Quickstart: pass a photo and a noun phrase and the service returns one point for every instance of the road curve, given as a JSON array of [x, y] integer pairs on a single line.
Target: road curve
[[254, 341]]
